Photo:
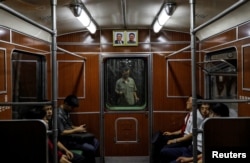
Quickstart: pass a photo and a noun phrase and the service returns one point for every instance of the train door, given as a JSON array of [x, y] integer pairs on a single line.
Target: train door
[[28, 80], [221, 76], [126, 108]]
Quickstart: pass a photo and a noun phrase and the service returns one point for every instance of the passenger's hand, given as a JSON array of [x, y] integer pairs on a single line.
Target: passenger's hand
[[81, 128], [84, 128], [172, 141], [69, 154], [167, 133], [64, 159]]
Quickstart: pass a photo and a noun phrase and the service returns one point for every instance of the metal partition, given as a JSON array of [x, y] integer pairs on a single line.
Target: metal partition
[[24, 141]]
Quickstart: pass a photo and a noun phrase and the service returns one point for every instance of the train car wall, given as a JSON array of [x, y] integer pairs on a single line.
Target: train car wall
[[238, 38], [171, 76], [169, 108], [9, 41]]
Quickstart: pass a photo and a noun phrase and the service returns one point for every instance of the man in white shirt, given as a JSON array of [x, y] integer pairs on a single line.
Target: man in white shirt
[[179, 138], [181, 154]]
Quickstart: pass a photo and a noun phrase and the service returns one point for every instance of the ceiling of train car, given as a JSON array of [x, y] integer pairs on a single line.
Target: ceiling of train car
[[118, 14]]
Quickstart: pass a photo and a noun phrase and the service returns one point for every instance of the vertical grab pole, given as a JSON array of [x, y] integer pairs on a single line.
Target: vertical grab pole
[[54, 78], [193, 71]]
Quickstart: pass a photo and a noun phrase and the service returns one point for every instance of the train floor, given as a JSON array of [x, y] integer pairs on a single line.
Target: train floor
[[131, 159]]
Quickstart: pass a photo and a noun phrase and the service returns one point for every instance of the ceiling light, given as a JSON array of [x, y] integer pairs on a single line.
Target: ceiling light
[[91, 27], [84, 18], [164, 15], [77, 9], [81, 14], [170, 7]]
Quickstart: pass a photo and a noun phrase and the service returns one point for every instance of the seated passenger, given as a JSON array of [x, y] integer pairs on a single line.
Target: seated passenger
[[63, 154], [181, 137], [49, 114], [69, 132], [205, 110], [171, 155]]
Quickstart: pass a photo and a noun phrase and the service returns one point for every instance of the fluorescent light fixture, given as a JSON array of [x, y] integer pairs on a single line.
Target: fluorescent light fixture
[[91, 27], [157, 27], [159, 23], [83, 17], [163, 17]]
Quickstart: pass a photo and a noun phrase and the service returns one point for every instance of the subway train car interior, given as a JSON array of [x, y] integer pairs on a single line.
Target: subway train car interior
[[137, 69]]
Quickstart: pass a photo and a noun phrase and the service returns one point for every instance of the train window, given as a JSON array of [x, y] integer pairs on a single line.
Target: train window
[[221, 75], [125, 83], [245, 67], [222, 72], [28, 73]]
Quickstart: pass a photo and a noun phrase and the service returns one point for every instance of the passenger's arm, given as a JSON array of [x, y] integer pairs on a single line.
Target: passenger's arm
[[181, 139], [178, 132], [136, 97], [75, 129], [68, 153], [64, 159]]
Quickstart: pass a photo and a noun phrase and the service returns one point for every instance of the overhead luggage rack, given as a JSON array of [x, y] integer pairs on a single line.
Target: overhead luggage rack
[[219, 67]]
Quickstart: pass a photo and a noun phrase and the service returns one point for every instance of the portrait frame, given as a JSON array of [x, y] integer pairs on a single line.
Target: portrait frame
[[115, 37], [125, 37], [135, 38]]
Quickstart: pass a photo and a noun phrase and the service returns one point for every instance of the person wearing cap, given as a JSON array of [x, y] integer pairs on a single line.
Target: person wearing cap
[[67, 128], [185, 154]]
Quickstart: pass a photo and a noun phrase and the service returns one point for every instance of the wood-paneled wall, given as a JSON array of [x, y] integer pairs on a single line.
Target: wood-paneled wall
[[171, 76], [9, 41], [237, 37], [168, 95], [81, 77]]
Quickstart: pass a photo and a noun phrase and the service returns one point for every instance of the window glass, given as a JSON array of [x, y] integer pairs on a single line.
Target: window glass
[[125, 83]]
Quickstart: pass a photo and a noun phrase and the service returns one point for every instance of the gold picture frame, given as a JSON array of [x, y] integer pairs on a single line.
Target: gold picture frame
[[125, 37]]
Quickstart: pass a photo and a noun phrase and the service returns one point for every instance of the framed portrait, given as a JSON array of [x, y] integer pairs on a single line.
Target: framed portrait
[[119, 38], [132, 38], [125, 38], [125, 83]]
